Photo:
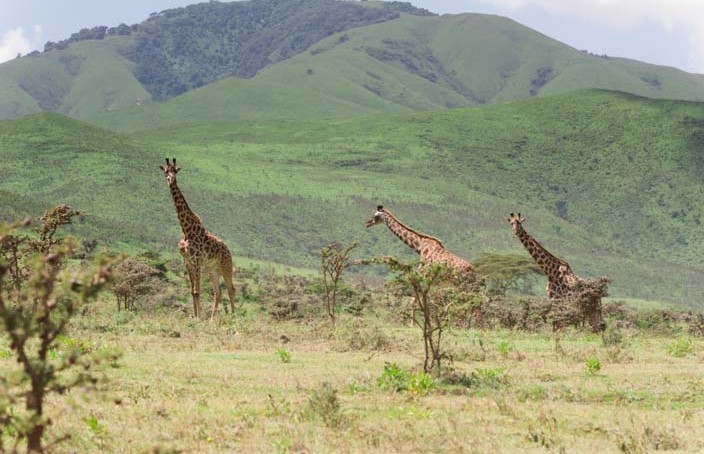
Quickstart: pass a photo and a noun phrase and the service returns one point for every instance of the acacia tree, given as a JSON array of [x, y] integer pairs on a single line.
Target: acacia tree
[[503, 272], [33, 316], [439, 292], [334, 260], [132, 281]]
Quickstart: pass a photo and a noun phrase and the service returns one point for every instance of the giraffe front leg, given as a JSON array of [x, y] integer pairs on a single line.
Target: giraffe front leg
[[215, 283]]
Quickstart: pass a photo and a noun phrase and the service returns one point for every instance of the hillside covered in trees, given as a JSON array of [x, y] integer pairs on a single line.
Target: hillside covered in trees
[[314, 58]]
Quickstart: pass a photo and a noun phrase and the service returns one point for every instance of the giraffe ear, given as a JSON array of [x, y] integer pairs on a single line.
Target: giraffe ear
[[162, 168], [177, 169]]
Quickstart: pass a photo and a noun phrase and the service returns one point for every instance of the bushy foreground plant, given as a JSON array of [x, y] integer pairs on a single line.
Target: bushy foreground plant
[[39, 294]]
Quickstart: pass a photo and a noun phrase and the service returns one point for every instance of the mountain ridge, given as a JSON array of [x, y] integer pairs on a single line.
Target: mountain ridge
[[385, 57]]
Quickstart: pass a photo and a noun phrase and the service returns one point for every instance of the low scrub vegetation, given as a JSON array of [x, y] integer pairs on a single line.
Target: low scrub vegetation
[[277, 375]]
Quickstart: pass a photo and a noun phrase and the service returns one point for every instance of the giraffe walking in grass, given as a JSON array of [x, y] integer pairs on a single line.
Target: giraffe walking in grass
[[200, 249]]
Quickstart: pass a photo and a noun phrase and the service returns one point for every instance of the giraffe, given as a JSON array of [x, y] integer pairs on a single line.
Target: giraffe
[[430, 249], [562, 281], [560, 275], [200, 249]]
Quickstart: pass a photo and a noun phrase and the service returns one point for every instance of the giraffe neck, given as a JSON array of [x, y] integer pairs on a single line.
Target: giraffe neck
[[542, 257], [404, 233], [190, 222]]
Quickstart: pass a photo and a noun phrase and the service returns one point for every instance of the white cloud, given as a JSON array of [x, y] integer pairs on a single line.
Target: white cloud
[[680, 16], [16, 41]]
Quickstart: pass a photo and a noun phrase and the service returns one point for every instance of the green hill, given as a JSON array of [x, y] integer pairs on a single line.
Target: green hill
[[413, 63], [272, 59], [609, 181]]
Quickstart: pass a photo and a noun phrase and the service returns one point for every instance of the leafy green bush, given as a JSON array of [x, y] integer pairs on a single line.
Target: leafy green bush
[[680, 347], [504, 348], [490, 378], [420, 384], [393, 378], [323, 402], [593, 365], [284, 355]]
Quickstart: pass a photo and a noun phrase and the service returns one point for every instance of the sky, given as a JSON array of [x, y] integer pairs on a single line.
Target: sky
[[664, 32]]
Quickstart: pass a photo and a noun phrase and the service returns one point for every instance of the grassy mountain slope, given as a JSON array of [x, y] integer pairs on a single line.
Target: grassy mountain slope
[[49, 159], [83, 80], [608, 181], [412, 63], [310, 59]]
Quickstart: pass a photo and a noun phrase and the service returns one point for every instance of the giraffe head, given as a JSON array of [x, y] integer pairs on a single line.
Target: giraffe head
[[377, 218], [170, 170], [515, 220]]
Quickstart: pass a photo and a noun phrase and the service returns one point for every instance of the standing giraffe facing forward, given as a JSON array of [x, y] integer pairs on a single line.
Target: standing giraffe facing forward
[[560, 275], [200, 249], [430, 248]]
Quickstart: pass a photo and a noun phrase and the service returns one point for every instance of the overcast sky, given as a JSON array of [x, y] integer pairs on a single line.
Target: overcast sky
[[665, 32]]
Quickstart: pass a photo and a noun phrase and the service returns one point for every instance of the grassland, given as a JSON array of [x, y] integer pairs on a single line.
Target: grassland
[[608, 181], [83, 80], [190, 386]]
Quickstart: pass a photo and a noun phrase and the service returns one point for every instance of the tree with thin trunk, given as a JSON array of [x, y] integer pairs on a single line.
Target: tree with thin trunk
[[334, 260], [438, 292]]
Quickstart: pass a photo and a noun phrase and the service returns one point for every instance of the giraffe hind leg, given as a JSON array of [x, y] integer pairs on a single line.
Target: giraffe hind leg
[[215, 283], [227, 271]]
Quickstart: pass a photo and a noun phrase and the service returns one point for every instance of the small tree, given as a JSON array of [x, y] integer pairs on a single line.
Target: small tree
[[506, 271], [132, 281], [334, 260], [33, 316], [437, 291]]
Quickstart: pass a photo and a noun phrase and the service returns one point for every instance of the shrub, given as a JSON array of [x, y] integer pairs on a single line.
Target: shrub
[[504, 348], [420, 384], [593, 365], [334, 260], [35, 311], [393, 378], [324, 403], [284, 355], [681, 347]]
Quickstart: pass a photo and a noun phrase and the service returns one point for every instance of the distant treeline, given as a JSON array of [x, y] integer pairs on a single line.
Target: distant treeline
[[180, 49]]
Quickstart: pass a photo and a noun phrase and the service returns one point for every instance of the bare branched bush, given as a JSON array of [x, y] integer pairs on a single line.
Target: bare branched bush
[[334, 260]]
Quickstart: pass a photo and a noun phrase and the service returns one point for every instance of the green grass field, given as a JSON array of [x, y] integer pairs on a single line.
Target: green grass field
[[198, 386]]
